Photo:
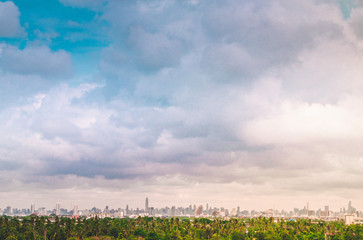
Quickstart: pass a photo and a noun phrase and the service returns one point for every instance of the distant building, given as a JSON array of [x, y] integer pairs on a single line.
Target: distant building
[[199, 210], [7, 211], [57, 209], [173, 211], [358, 220], [119, 214], [234, 212], [106, 210], [349, 219], [147, 205], [351, 209], [324, 213], [311, 213], [75, 210]]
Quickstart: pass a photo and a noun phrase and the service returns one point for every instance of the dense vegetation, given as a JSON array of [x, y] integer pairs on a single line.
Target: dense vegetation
[[173, 228]]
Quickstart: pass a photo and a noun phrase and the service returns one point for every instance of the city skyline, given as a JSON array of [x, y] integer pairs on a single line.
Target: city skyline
[[147, 208], [250, 103], [349, 214]]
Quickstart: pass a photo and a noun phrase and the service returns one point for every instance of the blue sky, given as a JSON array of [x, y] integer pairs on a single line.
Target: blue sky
[[250, 103]]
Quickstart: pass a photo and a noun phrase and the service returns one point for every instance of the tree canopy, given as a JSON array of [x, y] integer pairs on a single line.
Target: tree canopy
[[55, 228]]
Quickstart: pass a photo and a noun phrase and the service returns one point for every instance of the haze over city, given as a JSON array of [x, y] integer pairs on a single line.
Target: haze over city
[[256, 104], [349, 214]]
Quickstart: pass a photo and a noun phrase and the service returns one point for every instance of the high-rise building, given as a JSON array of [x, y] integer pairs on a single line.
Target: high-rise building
[[234, 212], [57, 209], [75, 210], [146, 205], [106, 210], [32, 208], [173, 211], [8, 210], [351, 209]]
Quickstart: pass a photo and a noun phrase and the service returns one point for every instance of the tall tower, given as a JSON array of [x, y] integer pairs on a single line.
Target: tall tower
[[146, 205], [75, 210], [32, 208], [57, 209]]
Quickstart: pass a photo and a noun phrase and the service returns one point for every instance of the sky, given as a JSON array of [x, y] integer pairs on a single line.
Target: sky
[[256, 104]]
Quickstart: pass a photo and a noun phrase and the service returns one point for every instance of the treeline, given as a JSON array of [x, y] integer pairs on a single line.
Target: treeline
[[29, 228]]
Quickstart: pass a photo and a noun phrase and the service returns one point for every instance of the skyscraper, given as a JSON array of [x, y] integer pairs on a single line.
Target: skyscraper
[[146, 205], [57, 209], [173, 211], [8, 210], [106, 210], [32, 208], [351, 209], [75, 210]]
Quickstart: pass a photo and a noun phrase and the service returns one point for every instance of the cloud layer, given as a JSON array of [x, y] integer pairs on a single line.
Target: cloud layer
[[249, 103]]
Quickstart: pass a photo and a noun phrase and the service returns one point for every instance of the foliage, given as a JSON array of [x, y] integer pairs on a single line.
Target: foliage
[[148, 228]]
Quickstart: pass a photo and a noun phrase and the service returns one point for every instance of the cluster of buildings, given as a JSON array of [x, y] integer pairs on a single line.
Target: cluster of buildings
[[349, 214]]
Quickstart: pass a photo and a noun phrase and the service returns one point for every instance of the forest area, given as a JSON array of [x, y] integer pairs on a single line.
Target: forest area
[[149, 228]]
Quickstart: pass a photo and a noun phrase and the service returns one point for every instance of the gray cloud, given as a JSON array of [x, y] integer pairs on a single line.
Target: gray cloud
[[255, 38], [38, 60], [9, 20], [356, 19], [154, 51]]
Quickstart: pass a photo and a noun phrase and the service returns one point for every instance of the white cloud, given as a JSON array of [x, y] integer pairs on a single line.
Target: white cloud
[[9, 20], [38, 60], [301, 123]]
